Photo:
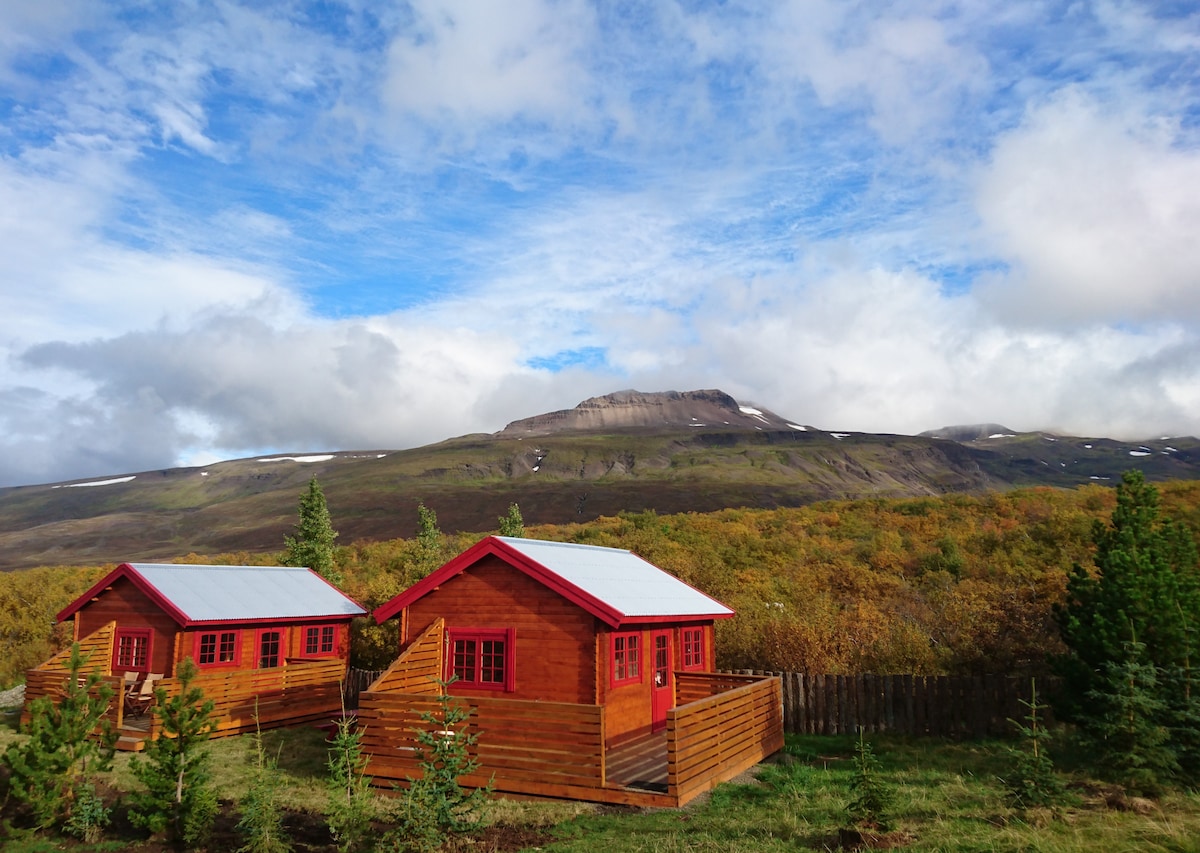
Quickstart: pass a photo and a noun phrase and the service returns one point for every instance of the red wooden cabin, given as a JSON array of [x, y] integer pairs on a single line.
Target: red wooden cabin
[[272, 637], [542, 629]]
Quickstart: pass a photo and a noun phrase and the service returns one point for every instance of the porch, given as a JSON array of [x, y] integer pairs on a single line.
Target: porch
[[298, 692], [724, 725]]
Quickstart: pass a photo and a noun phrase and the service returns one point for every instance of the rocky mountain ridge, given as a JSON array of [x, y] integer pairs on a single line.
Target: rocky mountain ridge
[[631, 451]]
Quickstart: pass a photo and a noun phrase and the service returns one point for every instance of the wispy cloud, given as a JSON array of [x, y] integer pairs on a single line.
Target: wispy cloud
[[230, 228]]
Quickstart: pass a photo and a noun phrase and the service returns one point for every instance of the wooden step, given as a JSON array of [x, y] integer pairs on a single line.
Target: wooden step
[[127, 743]]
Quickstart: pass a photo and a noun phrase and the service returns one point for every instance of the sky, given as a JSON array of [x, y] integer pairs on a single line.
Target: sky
[[232, 229]]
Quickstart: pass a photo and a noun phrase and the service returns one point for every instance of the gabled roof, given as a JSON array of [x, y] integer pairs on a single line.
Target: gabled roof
[[202, 594], [615, 585]]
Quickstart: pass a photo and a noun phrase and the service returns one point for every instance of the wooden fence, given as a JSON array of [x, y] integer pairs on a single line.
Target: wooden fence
[[728, 724], [932, 705], [303, 691]]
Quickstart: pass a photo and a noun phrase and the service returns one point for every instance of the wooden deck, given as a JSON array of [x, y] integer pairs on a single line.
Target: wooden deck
[[640, 764], [557, 750]]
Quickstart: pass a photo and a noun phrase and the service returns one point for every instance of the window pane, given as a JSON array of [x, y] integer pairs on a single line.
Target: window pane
[[327, 637], [464, 660], [208, 648], [268, 650], [491, 667], [228, 645], [131, 651], [312, 640]]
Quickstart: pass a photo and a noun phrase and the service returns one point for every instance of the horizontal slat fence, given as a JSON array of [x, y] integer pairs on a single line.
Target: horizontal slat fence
[[932, 705], [279, 696], [712, 739], [548, 749]]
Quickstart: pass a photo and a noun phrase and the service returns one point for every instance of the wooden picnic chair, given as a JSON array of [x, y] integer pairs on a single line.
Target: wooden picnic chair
[[139, 699]]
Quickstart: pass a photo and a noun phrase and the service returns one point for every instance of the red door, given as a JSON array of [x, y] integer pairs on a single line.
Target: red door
[[662, 692]]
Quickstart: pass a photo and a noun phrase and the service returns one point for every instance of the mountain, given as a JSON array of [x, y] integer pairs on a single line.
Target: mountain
[[630, 451]]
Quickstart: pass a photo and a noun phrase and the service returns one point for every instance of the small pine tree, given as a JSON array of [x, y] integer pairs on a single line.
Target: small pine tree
[[179, 797], [68, 739], [312, 546], [1129, 743], [512, 524], [1031, 781], [872, 796], [351, 805], [436, 805], [262, 815]]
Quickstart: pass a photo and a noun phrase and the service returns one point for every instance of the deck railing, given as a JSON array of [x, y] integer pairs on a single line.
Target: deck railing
[[554, 749], [300, 692], [736, 724], [548, 749]]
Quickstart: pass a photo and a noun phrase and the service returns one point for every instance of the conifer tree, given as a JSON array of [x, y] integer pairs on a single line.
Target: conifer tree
[[179, 797], [312, 546], [1124, 725], [1145, 589], [1031, 780], [350, 799], [261, 821], [50, 770]]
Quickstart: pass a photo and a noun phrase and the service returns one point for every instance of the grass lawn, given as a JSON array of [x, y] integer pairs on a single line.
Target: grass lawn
[[946, 797]]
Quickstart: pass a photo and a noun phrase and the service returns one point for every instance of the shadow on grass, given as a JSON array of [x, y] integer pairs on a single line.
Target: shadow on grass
[[301, 752]]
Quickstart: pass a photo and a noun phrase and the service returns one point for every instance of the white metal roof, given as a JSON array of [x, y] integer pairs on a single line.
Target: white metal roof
[[228, 593], [620, 579]]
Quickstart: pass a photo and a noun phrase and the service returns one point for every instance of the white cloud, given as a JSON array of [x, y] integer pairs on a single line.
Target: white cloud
[[480, 62], [1097, 211]]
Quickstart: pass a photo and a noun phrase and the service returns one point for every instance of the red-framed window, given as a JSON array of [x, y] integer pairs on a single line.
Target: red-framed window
[[270, 648], [319, 641], [693, 648], [626, 656], [131, 649], [481, 658], [217, 648]]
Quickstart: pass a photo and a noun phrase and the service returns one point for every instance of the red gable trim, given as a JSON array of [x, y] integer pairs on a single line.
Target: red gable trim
[[125, 570], [492, 546]]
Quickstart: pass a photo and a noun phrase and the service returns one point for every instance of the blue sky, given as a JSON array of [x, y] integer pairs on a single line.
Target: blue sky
[[231, 229]]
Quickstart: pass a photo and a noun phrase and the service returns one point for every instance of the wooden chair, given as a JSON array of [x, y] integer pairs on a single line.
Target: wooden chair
[[138, 700]]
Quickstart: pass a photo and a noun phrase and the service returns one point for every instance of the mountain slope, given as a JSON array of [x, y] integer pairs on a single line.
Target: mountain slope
[[671, 452]]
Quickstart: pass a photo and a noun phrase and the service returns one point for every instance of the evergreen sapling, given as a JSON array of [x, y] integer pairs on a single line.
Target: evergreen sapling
[[872, 796], [69, 738], [179, 797], [1031, 781], [351, 805], [262, 814], [435, 805]]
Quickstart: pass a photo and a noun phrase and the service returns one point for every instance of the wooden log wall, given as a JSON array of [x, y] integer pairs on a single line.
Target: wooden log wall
[[286, 695], [546, 749], [934, 705], [713, 739], [419, 666]]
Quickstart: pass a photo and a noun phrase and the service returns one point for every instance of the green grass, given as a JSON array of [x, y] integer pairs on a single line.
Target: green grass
[[946, 797]]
